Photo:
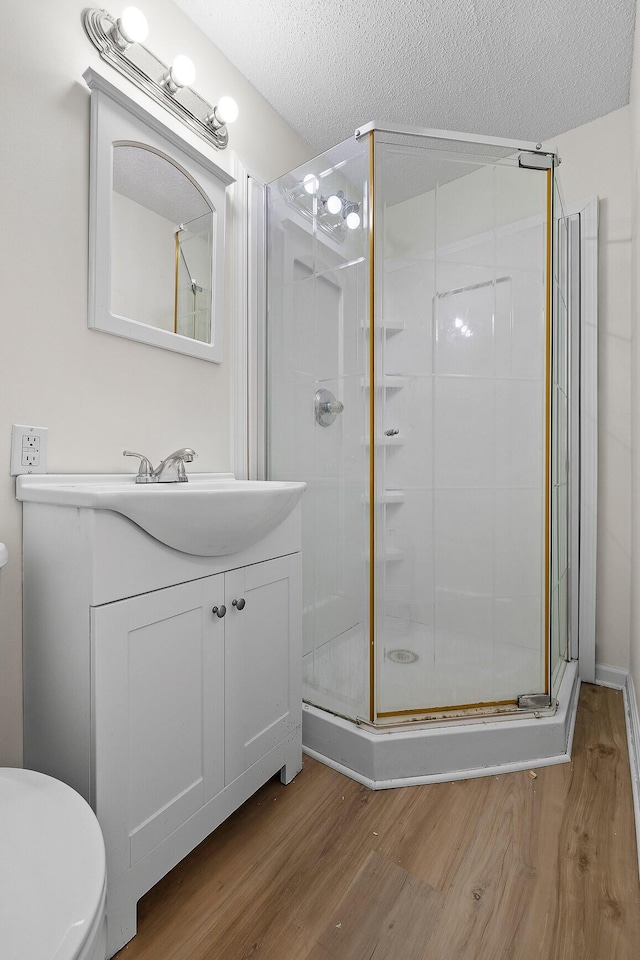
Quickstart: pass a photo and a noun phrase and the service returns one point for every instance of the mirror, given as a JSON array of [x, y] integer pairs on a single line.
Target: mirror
[[156, 230], [162, 237]]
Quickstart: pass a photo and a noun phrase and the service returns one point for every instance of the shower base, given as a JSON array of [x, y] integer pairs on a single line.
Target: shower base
[[444, 750]]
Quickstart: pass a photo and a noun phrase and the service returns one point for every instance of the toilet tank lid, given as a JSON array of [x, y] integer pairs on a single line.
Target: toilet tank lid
[[52, 869]]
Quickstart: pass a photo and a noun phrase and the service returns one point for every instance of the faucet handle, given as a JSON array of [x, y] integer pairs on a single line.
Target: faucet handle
[[145, 470]]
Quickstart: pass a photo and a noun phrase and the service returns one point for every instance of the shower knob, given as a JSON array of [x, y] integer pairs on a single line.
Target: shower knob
[[239, 604], [326, 407], [219, 611]]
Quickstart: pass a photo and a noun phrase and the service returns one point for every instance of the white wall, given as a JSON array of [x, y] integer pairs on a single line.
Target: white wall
[[596, 160], [98, 394], [143, 266]]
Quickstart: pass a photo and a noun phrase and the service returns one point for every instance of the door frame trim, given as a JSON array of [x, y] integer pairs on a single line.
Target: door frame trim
[[584, 418]]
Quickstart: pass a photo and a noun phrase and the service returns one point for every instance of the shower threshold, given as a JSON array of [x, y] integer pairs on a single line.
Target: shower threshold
[[444, 747], [484, 714]]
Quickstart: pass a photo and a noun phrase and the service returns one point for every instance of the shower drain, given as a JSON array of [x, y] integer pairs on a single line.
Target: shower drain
[[402, 656]]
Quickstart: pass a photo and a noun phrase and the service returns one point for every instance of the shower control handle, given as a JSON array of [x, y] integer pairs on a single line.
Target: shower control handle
[[326, 407], [219, 611], [239, 604]]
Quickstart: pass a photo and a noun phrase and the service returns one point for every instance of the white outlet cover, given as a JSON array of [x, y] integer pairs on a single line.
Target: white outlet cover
[[25, 438]]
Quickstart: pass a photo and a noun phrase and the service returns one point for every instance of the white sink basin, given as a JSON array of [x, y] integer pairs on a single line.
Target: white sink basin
[[212, 515]]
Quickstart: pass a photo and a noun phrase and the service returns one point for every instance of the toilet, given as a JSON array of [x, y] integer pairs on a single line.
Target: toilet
[[53, 877], [52, 871]]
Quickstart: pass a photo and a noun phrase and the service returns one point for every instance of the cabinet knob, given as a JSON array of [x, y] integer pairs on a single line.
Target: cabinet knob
[[219, 611], [239, 604]]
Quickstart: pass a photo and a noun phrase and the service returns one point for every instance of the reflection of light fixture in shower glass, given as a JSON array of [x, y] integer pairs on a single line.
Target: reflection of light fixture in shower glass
[[462, 327], [350, 214], [310, 183], [337, 203]]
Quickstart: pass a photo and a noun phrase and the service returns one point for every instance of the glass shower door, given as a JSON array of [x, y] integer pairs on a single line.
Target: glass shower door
[[462, 410]]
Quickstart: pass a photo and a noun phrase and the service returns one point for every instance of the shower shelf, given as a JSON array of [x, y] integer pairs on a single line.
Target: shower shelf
[[392, 555], [388, 555], [393, 496], [389, 327], [390, 381], [395, 441], [388, 497]]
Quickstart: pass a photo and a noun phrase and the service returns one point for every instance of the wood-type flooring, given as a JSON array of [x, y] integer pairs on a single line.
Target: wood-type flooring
[[513, 867]]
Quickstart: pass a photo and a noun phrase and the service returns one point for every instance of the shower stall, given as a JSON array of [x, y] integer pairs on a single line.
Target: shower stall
[[193, 294], [418, 373]]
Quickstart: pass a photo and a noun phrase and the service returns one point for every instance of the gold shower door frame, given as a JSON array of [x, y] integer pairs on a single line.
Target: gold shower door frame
[[495, 706]]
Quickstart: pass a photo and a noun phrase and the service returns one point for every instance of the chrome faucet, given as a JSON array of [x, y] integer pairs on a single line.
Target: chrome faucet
[[169, 470], [145, 470]]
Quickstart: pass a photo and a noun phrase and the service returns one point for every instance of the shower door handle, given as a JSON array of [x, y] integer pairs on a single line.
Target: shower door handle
[[326, 407]]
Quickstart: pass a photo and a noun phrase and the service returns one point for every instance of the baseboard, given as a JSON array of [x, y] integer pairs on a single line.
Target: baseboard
[[632, 718], [621, 679], [608, 676]]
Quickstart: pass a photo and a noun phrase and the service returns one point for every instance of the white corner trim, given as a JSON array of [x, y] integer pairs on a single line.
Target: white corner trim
[[608, 676], [248, 321], [240, 317], [632, 718]]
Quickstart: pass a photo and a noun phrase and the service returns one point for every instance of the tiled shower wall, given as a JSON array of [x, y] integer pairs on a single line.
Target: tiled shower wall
[[463, 579]]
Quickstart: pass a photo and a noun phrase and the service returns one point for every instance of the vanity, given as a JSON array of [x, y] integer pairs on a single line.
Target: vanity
[[161, 684]]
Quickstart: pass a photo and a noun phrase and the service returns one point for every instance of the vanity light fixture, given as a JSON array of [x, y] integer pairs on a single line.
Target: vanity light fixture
[[225, 112], [120, 43], [337, 203], [181, 73], [131, 27]]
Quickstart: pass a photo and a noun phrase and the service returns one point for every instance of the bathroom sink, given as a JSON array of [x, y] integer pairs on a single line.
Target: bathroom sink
[[212, 515]]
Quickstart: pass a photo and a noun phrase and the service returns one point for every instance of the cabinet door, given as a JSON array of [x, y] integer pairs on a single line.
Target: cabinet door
[[158, 713], [263, 665]]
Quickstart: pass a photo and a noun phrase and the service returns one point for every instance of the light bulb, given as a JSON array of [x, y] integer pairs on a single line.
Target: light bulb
[[183, 72], [334, 204], [353, 220], [133, 25], [227, 110], [310, 183]]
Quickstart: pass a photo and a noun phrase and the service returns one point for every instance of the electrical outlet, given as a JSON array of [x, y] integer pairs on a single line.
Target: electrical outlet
[[28, 449]]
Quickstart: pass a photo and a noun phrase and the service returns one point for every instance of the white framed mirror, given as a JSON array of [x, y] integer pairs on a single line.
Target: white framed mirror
[[156, 230]]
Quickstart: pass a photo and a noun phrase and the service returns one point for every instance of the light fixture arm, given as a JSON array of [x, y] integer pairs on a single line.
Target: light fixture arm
[[149, 73]]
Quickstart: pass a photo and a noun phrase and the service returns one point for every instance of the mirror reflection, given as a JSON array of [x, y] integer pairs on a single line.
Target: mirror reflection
[[162, 244]]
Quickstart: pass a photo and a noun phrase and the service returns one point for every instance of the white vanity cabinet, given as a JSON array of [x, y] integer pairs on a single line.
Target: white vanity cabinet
[[185, 701], [165, 716]]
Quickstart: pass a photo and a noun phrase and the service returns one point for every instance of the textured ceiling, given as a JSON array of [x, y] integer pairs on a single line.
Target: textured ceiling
[[528, 69], [149, 179]]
